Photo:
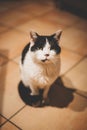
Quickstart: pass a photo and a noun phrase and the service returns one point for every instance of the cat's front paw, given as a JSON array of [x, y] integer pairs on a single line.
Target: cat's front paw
[[34, 93]]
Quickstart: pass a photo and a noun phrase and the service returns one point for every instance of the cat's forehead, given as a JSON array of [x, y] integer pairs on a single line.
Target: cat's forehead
[[45, 39], [47, 43]]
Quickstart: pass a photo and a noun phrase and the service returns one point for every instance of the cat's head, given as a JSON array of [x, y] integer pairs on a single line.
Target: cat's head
[[45, 49]]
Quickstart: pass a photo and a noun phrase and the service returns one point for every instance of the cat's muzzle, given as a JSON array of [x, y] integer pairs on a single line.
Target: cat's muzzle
[[44, 60]]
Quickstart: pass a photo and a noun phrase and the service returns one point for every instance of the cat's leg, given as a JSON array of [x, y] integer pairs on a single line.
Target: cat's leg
[[45, 95], [34, 90]]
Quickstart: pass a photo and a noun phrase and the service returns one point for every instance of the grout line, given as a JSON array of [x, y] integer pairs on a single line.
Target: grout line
[[33, 18], [67, 26], [8, 120], [75, 52], [15, 125], [73, 66], [6, 26], [17, 6], [17, 112], [78, 93], [14, 62], [15, 27], [4, 64], [4, 121], [3, 56], [11, 123], [37, 16], [13, 59]]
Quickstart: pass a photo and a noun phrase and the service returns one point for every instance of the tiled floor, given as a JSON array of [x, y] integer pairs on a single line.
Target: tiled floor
[[68, 96]]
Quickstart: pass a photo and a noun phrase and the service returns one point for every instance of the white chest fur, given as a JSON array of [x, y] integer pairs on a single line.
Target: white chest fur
[[39, 75]]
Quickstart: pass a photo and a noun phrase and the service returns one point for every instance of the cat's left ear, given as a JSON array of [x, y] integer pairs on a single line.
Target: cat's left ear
[[33, 35], [57, 35]]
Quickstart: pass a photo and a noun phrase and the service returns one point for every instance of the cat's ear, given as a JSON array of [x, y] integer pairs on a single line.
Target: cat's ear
[[33, 35], [57, 35]]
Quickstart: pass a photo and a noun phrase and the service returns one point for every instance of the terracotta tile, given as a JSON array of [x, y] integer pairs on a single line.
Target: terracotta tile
[[81, 24], [10, 101], [77, 76], [76, 110], [9, 126], [75, 40], [82, 122], [12, 43], [79, 105], [68, 59], [45, 116], [22, 13], [6, 5], [3, 28], [3, 60], [41, 26], [36, 8], [17, 60], [2, 120], [14, 17], [63, 96], [65, 103], [62, 17], [53, 21]]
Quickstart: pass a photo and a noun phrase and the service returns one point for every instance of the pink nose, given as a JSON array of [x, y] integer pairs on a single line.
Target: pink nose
[[46, 55]]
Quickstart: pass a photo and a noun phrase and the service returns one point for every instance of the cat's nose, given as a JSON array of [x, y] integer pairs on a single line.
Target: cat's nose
[[46, 55]]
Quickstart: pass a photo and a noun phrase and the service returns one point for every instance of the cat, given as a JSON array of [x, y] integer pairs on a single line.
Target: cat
[[40, 62]]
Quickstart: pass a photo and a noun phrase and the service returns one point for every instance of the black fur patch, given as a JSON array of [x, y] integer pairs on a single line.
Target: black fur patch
[[54, 44], [25, 50], [41, 41]]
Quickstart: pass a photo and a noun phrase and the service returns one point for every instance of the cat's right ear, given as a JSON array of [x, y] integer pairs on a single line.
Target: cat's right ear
[[33, 35], [57, 35]]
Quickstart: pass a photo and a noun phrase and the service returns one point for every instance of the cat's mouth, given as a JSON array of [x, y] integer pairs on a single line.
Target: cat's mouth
[[44, 60]]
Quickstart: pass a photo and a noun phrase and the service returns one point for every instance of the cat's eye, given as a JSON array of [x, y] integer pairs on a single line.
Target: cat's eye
[[37, 48]]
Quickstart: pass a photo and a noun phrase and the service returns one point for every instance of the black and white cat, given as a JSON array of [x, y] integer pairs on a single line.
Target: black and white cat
[[40, 62]]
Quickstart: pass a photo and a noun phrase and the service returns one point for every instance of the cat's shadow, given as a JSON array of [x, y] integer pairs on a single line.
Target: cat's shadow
[[59, 95]]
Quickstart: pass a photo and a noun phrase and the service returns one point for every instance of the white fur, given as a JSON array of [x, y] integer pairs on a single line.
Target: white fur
[[37, 74]]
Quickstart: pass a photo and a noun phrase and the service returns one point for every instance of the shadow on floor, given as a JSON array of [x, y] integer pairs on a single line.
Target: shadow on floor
[[62, 96], [59, 95], [24, 93]]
